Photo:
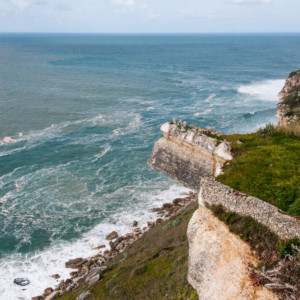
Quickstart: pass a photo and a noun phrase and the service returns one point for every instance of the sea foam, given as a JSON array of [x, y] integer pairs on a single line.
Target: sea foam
[[264, 90], [39, 266]]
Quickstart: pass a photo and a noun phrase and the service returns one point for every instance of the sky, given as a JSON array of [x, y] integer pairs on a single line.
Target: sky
[[150, 16]]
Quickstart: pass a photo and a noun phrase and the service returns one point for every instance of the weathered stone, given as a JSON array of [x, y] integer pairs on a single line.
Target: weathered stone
[[48, 291], [94, 279], [99, 247], [94, 271], [291, 87], [112, 235], [52, 296], [187, 157], [75, 263], [83, 295], [55, 276], [38, 298], [167, 205], [134, 224], [177, 201], [22, 281], [219, 261]]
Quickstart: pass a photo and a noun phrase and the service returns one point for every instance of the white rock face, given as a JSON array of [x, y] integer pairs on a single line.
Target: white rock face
[[219, 261]]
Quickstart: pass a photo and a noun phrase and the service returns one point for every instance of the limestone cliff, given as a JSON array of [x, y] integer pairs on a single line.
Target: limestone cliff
[[288, 108], [187, 154], [219, 261]]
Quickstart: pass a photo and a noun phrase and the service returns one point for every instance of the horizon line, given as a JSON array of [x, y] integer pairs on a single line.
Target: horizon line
[[148, 33]]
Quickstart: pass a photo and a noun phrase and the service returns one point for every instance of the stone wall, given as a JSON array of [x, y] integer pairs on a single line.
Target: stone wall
[[187, 154], [213, 192]]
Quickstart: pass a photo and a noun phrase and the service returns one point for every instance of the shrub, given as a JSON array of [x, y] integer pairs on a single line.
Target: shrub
[[286, 248]]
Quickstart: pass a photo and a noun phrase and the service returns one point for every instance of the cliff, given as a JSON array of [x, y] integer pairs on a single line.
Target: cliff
[[288, 108], [186, 154], [219, 261]]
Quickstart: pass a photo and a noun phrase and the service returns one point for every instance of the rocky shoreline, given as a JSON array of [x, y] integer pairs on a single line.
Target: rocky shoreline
[[90, 270]]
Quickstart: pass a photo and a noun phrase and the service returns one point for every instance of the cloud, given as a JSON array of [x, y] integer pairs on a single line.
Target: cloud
[[249, 1]]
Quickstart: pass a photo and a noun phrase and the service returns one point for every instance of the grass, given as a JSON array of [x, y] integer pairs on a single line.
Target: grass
[[267, 166], [279, 261], [153, 267]]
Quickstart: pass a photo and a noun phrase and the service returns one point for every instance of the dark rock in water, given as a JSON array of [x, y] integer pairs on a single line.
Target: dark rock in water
[[134, 224], [22, 281], [55, 276]]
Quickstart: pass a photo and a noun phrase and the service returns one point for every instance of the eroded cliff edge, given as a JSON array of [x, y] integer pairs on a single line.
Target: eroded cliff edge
[[288, 108], [186, 154], [219, 262]]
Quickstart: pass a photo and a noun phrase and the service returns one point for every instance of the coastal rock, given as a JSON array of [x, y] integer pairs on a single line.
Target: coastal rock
[[219, 261], [52, 296], [94, 271], [55, 276], [38, 298], [94, 279], [288, 108], [112, 235], [22, 281], [48, 291], [75, 263], [187, 154], [134, 223], [83, 295], [99, 247]]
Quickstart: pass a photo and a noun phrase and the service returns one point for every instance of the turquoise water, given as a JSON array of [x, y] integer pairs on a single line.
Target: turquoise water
[[79, 116]]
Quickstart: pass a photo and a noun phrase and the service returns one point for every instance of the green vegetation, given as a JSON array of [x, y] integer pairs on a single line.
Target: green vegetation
[[293, 101], [266, 165], [279, 260], [153, 267]]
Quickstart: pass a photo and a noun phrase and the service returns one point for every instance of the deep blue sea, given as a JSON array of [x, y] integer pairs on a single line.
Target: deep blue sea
[[79, 115]]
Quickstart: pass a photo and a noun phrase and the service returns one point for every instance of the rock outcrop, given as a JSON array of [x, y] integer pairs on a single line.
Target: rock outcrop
[[186, 154], [219, 261], [288, 108]]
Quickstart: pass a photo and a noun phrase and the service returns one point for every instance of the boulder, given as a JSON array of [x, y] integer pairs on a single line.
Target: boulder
[[52, 296], [83, 295], [112, 235], [94, 279], [48, 291], [75, 263], [22, 281]]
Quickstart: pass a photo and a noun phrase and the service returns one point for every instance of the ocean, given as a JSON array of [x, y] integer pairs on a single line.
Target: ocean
[[79, 114]]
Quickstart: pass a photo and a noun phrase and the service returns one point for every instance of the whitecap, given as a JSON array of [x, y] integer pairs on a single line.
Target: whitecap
[[7, 140], [118, 131], [101, 154], [264, 90]]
